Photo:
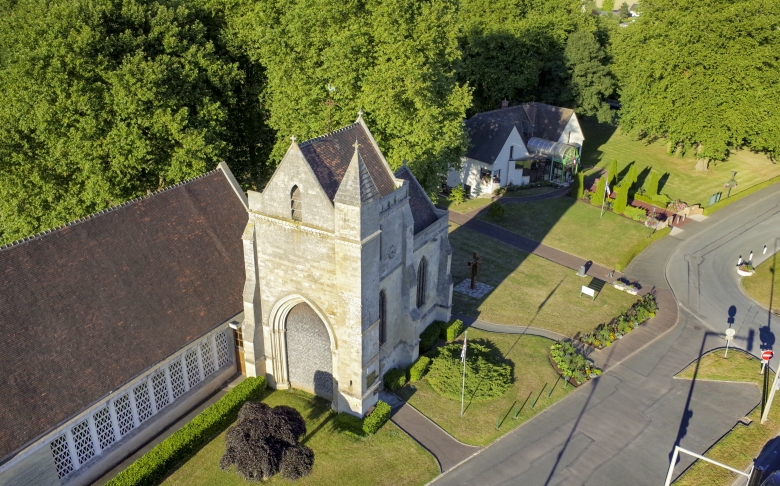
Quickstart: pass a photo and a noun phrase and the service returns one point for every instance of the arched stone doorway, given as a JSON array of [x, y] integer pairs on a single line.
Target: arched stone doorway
[[309, 356]]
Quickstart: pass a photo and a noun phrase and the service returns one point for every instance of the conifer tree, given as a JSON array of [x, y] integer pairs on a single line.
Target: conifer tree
[[651, 184], [621, 199], [613, 172], [601, 187]]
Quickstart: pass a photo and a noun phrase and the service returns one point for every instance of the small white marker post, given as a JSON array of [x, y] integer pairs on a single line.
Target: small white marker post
[[739, 262], [764, 250], [750, 258], [729, 337]]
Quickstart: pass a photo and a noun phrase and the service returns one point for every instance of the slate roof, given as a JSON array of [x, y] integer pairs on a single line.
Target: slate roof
[[422, 208], [90, 306], [488, 131], [330, 155]]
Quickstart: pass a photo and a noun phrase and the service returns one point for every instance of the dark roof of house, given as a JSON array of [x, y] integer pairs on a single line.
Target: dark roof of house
[[329, 157], [91, 305], [488, 131], [422, 208]]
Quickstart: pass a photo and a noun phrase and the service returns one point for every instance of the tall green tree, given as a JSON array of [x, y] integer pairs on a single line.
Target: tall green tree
[[601, 189], [621, 198], [104, 100], [651, 184], [591, 79], [702, 74], [631, 177], [612, 173], [394, 59]]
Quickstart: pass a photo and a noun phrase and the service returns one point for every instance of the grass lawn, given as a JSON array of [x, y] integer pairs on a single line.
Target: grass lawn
[[743, 443], [478, 424], [760, 287], [390, 457], [529, 290], [531, 191], [603, 143], [574, 227], [466, 206]]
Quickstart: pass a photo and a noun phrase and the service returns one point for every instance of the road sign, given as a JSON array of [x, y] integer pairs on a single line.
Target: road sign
[[730, 334], [767, 355]]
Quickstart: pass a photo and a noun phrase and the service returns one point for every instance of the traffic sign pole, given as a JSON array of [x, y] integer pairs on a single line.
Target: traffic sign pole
[[765, 415], [729, 336]]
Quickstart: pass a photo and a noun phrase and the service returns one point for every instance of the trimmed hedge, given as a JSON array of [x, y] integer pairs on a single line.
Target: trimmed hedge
[[155, 464], [637, 214], [736, 197], [638, 247], [430, 335], [453, 330], [395, 379], [419, 368], [377, 418], [349, 424]]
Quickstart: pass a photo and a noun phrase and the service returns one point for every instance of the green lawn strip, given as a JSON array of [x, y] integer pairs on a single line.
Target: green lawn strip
[[603, 143], [529, 290], [531, 191], [574, 227], [388, 458], [466, 206], [742, 443], [739, 195], [759, 285], [478, 425]]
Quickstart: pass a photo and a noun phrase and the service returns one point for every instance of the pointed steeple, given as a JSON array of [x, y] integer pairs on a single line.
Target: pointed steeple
[[357, 187]]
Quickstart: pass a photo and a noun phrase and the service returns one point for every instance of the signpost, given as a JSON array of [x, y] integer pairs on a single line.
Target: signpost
[[765, 357], [729, 337], [588, 291]]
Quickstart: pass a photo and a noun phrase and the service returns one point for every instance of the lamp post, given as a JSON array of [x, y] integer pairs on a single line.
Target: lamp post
[[731, 183]]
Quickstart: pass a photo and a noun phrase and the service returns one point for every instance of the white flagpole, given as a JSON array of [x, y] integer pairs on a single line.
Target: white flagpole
[[463, 386], [606, 190]]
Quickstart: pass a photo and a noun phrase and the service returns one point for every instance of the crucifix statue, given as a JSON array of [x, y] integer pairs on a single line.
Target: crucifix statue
[[475, 264]]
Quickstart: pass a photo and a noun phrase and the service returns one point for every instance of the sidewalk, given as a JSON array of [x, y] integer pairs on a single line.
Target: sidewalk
[[448, 451]]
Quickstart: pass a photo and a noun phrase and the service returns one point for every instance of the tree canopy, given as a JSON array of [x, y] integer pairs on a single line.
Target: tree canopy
[[104, 100], [702, 73]]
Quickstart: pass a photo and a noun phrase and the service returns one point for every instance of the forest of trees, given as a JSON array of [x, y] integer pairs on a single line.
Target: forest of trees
[[105, 100]]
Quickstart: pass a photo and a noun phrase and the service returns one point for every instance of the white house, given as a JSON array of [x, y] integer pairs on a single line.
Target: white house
[[519, 145]]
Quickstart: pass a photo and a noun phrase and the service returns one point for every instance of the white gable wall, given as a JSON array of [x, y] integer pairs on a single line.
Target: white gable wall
[[572, 134]]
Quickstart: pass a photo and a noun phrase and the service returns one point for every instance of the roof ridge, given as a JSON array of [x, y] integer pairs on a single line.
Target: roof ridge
[[45, 232], [306, 142]]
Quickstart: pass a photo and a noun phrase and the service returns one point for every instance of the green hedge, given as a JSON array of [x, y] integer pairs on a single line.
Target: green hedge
[[349, 424], [453, 330], [430, 335], [377, 418], [419, 368], [638, 247], [155, 464], [736, 197], [395, 379], [637, 214]]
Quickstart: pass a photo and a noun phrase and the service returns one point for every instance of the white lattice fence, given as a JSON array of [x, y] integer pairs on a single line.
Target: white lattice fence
[[108, 423]]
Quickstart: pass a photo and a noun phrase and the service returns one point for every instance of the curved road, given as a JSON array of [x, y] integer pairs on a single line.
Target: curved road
[[621, 428]]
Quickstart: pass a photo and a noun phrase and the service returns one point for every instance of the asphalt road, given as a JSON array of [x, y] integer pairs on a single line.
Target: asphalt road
[[621, 428]]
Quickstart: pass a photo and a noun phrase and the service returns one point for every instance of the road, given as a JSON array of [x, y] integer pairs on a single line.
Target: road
[[621, 428]]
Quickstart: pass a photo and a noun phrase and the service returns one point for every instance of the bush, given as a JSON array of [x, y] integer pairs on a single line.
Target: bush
[[598, 197], [605, 334], [419, 368], [377, 418], [638, 247], [496, 210], [453, 330], [155, 464], [457, 195], [621, 200], [349, 424], [637, 214], [571, 364], [488, 374], [430, 335], [395, 379], [578, 191], [264, 442], [736, 197]]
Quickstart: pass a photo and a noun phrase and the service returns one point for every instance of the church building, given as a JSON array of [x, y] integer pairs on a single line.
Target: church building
[[346, 264]]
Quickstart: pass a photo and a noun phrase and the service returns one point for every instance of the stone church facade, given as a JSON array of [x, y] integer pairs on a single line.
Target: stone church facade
[[346, 264]]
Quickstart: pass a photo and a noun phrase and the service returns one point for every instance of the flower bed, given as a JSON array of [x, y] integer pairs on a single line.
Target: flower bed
[[745, 269], [606, 334], [626, 286], [571, 364]]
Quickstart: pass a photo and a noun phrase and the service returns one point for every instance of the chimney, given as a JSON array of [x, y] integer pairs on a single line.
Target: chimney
[[504, 103]]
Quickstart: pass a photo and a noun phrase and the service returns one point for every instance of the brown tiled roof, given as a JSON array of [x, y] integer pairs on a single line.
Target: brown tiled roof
[[329, 157], [419, 202], [488, 131], [88, 307]]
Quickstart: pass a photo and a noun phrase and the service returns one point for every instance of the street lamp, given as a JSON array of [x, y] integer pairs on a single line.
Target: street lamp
[[731, 183]]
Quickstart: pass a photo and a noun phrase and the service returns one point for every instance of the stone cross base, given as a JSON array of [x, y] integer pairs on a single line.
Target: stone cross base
[[480, 291]]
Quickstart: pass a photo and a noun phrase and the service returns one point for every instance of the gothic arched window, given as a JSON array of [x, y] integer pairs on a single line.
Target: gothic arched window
[[382, 317], [295, 204], [422, 275]]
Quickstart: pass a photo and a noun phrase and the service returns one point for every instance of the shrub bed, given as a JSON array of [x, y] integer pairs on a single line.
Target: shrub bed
[[607, 333], [395, 379], [488, 374], [571, 364], [419, 368], [155, 464], [361, 427]]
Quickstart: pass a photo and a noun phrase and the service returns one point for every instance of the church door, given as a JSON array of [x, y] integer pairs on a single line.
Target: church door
[[309, 359]]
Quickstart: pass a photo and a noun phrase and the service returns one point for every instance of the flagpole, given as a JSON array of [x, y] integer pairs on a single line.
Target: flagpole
[[463, 386], [606, 190]]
